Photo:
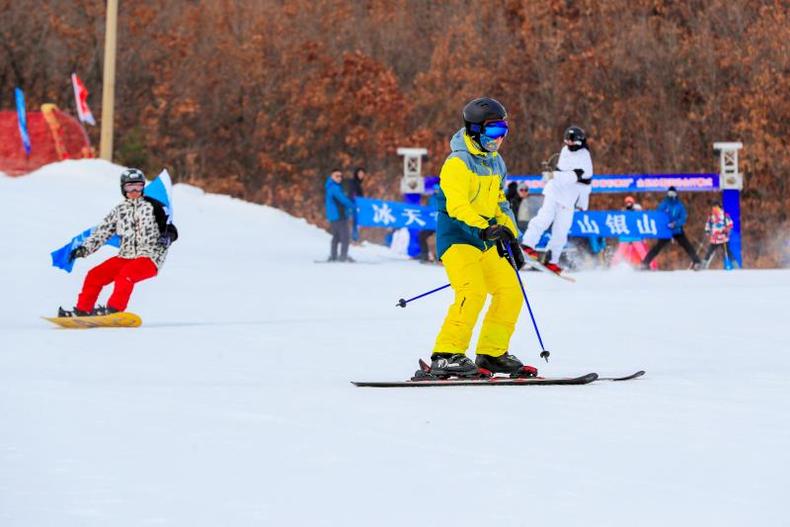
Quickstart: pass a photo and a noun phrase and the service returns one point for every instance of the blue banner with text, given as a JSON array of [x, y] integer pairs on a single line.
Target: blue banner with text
[[597, 223], [612, 183]]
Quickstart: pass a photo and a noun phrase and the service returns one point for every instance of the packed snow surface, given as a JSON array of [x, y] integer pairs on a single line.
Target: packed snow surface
[[232, 404]]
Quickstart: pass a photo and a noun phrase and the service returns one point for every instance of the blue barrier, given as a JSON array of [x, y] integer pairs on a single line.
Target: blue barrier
[[598, 223]]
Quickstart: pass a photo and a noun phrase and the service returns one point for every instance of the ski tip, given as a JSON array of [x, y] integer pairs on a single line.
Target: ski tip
[[626, 377]]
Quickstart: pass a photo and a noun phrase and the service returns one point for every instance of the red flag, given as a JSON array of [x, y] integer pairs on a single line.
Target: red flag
[[81, 98]]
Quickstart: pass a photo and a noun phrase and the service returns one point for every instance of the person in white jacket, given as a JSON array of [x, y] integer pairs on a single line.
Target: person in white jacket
[[568, 189]]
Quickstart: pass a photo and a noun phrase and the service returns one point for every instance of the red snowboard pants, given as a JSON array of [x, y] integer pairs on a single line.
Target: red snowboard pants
[[124, 272]]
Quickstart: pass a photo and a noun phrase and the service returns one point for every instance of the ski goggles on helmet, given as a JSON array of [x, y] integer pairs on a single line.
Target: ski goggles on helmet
[[672, 194], [495, 129], [130, 187]]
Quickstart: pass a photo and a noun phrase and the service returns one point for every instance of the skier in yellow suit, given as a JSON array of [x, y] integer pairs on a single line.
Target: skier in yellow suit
[[474, 228]]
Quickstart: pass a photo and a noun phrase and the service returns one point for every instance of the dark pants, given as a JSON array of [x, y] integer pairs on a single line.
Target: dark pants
[[425, 251], [340, 235], [712, 248], [682, 241]]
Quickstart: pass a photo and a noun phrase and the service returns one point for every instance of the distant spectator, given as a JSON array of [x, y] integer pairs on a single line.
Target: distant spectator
[[676, 212], [354, 190], [631, 204], [718, 228], [631, 249], [526, 208], [339, 208], [511, 195], [427, 248]]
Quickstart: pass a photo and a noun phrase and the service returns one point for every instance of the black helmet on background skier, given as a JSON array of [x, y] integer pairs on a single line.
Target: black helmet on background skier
[[575, 138], [485, 120], [132, 176]]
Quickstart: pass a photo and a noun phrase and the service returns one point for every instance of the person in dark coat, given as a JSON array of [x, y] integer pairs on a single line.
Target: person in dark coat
[[676, 212], [354, 189], [512, 196]]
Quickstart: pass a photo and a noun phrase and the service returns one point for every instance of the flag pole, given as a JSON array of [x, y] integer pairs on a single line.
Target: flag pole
[[108, 85]]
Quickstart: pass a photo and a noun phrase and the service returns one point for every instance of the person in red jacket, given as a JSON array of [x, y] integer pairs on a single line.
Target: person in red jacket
[[631, 249], [146, 235]]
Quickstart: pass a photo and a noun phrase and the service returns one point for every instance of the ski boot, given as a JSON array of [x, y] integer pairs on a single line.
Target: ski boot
[[507, 363], [446, 365], [73, 313]]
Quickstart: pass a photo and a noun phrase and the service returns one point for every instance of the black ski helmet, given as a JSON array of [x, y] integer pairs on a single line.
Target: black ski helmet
[[577, 137], [131, 175], [477, 112]]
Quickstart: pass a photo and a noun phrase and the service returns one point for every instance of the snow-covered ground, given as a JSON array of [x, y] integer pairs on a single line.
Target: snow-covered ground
[[232, 405]]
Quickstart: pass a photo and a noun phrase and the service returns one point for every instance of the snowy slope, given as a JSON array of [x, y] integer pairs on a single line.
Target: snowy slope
[[232, 406]]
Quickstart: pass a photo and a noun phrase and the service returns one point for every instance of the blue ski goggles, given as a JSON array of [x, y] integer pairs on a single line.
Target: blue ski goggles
[[495, 129]]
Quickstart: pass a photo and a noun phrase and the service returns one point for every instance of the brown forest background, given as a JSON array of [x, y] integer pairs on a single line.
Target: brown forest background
[[260, 98]]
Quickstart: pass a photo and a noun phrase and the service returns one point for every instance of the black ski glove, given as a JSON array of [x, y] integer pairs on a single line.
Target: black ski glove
[[165, 241], [169, 236], [495, 233], [579, 173], [518, 255], [78, 252]]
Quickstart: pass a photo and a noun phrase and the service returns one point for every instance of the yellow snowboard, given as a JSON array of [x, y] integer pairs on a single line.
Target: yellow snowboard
[[116, 320]]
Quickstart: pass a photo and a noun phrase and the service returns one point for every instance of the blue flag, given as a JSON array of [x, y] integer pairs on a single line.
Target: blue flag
[[22, 118], [60, 257], [159, 189]]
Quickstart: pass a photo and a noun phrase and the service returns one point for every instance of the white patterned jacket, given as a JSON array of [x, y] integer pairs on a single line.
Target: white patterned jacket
[[142, 225]]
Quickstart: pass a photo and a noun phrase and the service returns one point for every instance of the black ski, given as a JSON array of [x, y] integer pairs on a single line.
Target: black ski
[[496, 380], [424, 366], [491, 381]]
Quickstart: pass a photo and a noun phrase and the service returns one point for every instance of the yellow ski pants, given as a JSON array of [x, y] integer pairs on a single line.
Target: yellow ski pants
[[473, 275]]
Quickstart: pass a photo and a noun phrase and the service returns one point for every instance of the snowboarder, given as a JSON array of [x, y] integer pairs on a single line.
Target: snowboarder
[[676, 211], [568, 189], [339, 208], [718, 229], [146, 235], [474, 228]]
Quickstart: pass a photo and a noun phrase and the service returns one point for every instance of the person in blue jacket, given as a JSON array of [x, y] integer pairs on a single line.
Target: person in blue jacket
[[339, 208], [676, 212]]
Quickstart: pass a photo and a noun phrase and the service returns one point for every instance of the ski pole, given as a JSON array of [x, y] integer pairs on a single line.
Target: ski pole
[[544, 354], [402, 302]]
